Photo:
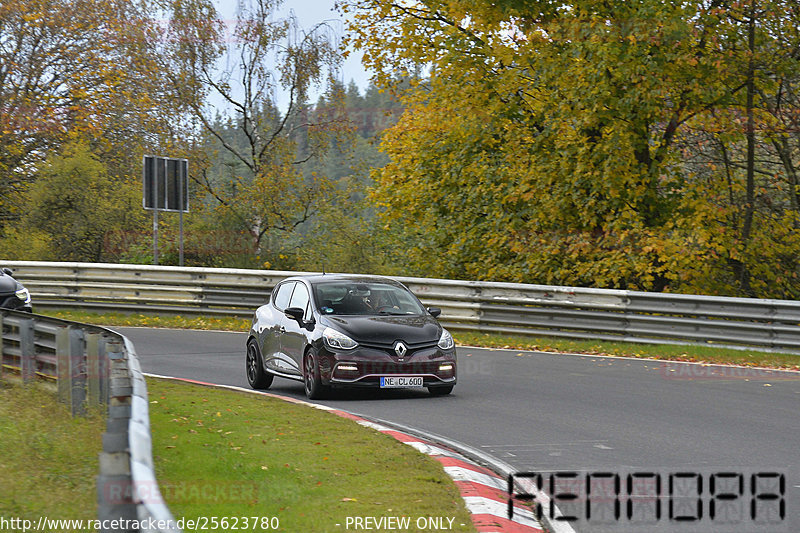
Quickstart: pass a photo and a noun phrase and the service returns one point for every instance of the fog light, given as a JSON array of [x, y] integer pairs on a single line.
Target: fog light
[[445, 367], [351, 368]]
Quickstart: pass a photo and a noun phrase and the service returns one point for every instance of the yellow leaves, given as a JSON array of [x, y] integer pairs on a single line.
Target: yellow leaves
[[562, 170]]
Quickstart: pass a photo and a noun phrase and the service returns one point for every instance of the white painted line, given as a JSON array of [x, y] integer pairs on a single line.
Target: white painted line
[[647, 359], [542, 445], [242, 389]]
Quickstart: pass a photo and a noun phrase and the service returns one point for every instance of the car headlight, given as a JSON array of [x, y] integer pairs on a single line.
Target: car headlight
[[446, 340], [23, 295], [337, 340]]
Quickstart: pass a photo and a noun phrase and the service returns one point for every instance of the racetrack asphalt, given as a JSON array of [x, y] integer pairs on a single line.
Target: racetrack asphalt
[[558, 414]]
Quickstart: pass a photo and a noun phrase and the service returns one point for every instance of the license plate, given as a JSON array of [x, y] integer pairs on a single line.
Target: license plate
[[390, 382]]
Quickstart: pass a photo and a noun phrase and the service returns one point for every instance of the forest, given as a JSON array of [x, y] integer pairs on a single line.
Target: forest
[[642, 145]]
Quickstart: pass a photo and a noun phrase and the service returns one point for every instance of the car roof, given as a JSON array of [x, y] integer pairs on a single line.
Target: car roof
[[314, 279]]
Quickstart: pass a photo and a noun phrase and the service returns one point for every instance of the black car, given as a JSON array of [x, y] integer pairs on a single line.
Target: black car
[[12, 294], [349, 331]]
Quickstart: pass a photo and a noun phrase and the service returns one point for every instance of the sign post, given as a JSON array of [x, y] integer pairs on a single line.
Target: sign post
[[165, 187]]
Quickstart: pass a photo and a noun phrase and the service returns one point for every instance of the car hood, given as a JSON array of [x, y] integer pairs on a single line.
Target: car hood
[[385, 330], [7, 284]]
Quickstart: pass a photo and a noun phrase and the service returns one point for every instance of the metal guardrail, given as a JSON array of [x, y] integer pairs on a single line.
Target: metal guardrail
[[509, 308], [95, 366], [70, 354]]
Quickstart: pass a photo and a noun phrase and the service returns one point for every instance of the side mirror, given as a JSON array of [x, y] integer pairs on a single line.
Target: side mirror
[[295, 313], [434, 311], [7, 272]]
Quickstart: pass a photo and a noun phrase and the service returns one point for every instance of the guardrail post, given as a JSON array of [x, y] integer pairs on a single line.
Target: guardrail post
[[105, 370], [97, 381], [77, 352], [27, 345], [626, 304], [63, 366]]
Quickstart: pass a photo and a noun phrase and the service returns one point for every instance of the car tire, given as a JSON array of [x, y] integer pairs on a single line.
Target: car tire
[[440, 390], [315, 390], [257, 377]]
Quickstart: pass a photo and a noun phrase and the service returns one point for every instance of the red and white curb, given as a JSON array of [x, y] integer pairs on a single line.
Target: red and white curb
[[484, 492]]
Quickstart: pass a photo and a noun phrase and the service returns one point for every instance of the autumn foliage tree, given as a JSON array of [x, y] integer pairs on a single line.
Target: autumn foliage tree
[[557, 143], [79, 71], [258, 128]]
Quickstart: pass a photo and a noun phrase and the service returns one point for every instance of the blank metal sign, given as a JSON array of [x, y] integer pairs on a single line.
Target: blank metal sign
[[165, 183]]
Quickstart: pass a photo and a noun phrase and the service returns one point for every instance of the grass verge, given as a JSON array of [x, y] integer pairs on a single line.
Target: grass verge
[[707, 354], [150, 321], [229, 454], [48, 460]]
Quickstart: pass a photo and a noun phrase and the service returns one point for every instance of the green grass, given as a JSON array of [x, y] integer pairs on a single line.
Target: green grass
[[150, 321], [221, 453], [226, 453], [48, 460], [654, 351]]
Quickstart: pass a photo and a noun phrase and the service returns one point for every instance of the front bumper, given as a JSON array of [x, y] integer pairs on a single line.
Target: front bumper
[[10, 301], [364, 366]]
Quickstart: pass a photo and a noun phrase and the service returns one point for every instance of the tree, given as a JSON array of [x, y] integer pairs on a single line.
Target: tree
[[260, 147], [78, 67], [545, 141], [75, 207], [744, 157]]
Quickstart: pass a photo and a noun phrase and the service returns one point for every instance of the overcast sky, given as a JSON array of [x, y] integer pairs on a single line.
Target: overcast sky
[[310, 13]]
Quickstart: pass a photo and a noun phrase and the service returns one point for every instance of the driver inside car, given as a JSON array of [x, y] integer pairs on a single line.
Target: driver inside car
[[356, 301], [380, 301]]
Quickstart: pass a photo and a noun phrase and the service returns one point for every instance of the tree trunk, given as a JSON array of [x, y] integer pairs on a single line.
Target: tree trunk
[[749, 206]]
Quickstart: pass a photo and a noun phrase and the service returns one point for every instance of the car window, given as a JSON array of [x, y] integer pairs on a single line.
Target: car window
[[300, 299], [358, 298], [282, 295]]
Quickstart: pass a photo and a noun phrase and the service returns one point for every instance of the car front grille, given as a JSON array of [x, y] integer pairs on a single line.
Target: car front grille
[[389, 348]]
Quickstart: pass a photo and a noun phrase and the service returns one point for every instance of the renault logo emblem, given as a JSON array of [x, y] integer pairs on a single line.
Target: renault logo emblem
[[400, 349]]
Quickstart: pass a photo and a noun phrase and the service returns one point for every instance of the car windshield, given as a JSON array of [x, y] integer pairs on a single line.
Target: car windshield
[[358, 298]]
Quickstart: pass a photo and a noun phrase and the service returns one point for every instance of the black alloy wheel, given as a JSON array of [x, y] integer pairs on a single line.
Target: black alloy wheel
[[256, 376]]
